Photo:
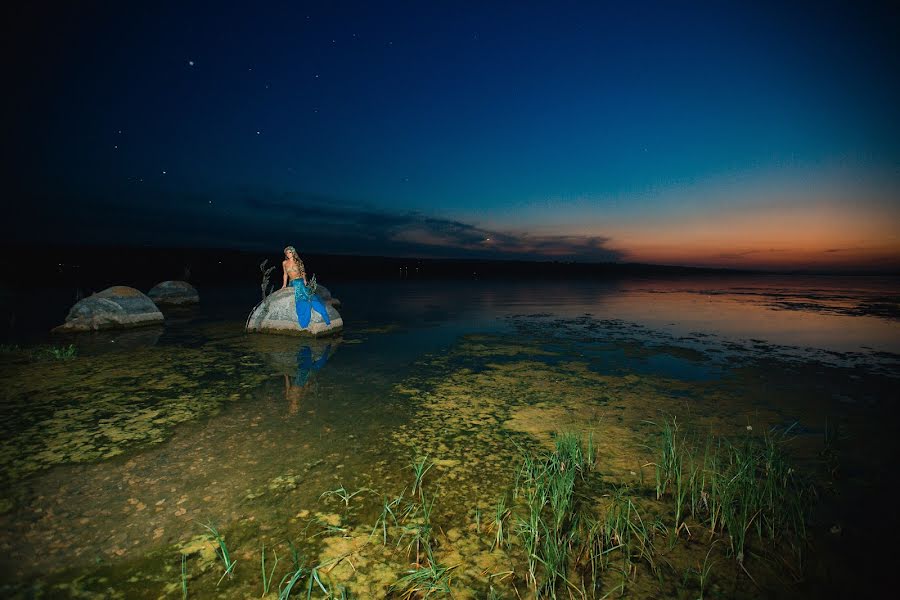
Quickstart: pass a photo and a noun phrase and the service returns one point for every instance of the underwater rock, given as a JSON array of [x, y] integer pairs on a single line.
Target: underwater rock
[[174, 292], [278, 314], [117, 307]]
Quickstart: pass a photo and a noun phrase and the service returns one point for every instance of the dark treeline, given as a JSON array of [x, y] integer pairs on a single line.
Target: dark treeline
[[93, 268]]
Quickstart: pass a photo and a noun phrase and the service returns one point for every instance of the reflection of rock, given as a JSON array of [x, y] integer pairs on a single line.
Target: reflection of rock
[[174, 292], [301, 358], [114, 308], [326, 296], [108, 341], [278, 314]]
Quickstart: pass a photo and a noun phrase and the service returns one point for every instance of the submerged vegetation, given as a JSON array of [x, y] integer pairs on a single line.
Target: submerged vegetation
[[41, 352], [563, 531], [520, 474]]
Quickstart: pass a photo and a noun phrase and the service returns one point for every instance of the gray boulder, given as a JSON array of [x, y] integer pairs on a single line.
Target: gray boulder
[[278, 314], [118, 307], [174, 292]]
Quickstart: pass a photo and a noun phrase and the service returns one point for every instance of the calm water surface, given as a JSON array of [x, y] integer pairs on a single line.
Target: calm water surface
[[113, 461]]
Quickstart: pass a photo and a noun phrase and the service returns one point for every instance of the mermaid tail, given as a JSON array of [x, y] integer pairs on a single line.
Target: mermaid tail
[[305, 302], [306, 365]]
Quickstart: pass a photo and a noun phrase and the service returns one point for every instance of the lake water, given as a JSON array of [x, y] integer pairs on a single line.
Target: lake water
[[112, 461]]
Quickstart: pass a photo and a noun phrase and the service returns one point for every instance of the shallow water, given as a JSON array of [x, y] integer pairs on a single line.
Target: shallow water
[[111, 461]]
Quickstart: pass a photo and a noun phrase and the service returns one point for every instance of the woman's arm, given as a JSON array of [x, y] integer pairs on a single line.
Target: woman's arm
[[284, 271]]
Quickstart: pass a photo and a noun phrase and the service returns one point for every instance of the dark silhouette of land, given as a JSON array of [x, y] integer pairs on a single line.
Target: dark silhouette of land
[[96, 267]]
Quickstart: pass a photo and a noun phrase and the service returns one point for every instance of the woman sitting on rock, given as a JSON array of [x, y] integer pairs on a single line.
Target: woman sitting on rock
[[306, 300]]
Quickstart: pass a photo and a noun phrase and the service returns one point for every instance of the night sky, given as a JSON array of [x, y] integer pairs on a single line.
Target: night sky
[[740, 136]]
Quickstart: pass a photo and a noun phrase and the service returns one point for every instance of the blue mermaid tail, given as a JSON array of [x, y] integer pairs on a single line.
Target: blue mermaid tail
[[306, 365], [306, 302]]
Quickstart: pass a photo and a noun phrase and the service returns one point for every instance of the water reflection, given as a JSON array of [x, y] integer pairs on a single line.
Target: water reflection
[[309, 360], [101, 342]]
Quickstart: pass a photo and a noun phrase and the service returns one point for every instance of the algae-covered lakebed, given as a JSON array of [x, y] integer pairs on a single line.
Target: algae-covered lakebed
[[644, 439]]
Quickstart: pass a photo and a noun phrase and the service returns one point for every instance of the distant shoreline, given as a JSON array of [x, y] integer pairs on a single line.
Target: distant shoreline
[[93, 264]]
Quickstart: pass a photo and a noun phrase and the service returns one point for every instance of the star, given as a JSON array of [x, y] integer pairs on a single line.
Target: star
[[257, 133], [190, 63], [164, 173], [116, 147]]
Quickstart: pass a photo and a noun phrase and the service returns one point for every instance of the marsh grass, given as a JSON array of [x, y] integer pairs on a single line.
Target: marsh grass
[[41, 352], [576, 535], [549, 527], [501, 514], [388, 509], [267, 579], [420, 466], [222, 553], [343, 494], [184, 588], [425, 580], [736, 487], [289, 581]]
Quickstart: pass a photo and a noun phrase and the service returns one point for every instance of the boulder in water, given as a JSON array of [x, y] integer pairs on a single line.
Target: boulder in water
[[174, 292], [278, 314], [118, 307]]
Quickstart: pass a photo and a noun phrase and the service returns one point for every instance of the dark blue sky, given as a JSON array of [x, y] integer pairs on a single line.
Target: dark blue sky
[[650, 132]]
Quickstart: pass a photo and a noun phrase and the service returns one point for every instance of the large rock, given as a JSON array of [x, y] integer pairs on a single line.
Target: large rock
[[278, 314], [117, 307], [174, 292]]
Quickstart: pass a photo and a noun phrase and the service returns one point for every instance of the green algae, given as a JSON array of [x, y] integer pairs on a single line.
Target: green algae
[[98, 407], [474, 410]]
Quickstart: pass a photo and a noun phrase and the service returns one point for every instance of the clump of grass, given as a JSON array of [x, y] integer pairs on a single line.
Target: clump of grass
[[549, 528], [420, 466], [343, 494], [267, 579], [501, 514], [739, 487], [289, 581], [56, 352], [418, 528], [703, 571], [388, 508], [222, 552], [425, 580], [184, 589], [41, 352]]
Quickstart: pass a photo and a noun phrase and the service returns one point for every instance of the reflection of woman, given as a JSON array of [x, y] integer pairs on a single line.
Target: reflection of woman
[[295, 274], [293, 389]]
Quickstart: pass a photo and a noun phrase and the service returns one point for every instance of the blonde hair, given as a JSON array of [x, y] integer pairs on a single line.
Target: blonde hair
[[293, 252]]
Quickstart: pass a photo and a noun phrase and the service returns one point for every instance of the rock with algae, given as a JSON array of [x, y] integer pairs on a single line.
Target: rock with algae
[[278, 314], [117, 307]]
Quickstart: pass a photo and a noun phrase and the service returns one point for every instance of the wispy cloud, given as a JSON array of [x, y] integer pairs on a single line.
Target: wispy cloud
[[360, 228], [262, 219]]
